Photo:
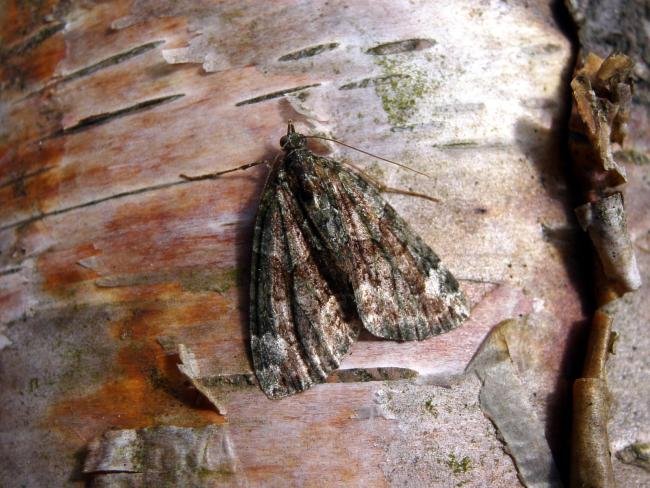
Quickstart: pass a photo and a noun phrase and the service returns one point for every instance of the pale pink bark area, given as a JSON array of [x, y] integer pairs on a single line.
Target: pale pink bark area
[[110, 261]]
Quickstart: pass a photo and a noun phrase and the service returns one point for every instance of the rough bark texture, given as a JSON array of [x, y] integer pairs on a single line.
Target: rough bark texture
[[112, 266]]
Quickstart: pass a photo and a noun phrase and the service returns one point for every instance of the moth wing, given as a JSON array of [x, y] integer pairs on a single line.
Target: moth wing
[[302, 319], [402, 291]]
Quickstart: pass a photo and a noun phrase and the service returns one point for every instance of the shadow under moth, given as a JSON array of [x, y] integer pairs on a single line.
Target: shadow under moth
[[330, 256]]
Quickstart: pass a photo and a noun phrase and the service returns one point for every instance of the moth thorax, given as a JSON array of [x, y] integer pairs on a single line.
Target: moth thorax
[[292, 141]]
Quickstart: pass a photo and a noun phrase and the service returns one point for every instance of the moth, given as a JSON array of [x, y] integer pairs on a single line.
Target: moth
[[330, 256]]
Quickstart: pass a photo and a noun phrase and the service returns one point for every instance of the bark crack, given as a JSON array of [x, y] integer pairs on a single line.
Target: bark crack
[[97, 201], [275, 94], [32, 41], [404, 46], [103, 118], [309, 51], [112, 60], [21, 178]]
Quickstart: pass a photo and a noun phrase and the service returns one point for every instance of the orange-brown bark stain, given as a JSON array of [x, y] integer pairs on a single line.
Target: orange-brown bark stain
[[60, 271], [143, 245], [19, 18], [19, 161], [27, 61], [150, 229], [144, 389], [351, 468], [144, 386]]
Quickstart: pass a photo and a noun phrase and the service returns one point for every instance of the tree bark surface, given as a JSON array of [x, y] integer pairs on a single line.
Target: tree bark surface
[[114, 270]]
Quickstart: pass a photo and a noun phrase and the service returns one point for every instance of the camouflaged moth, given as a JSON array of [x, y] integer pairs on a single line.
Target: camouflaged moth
[[330, 256]]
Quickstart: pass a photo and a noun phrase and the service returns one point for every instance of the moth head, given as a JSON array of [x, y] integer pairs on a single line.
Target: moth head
[[293, 140]]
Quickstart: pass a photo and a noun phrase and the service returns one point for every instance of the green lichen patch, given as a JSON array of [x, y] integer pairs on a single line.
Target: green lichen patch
[[430, 407], [459, 466], [405, 86]]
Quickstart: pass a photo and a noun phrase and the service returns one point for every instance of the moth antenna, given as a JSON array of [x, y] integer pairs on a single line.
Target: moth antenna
[[389, 189], [214, 176], [370, 154]]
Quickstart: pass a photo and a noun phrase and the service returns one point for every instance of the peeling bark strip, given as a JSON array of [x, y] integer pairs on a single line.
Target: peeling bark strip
[[276, 94], [505, 401], [330, 255], [309, 52], [164, 456], [591, 459], [599, 120], [606, 224], [404, 46]]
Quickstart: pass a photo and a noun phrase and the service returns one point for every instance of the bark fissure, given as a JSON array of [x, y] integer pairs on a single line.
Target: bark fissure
[[21, 178], [309, 52], [93, 120], [276, 94], [97, 201], [10, 271], [32, 41], [111, 61], [407, 45]]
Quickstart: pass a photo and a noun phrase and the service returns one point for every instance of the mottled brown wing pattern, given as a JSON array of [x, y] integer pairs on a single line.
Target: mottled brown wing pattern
[[401, 290], [302, 321], [330, 254]]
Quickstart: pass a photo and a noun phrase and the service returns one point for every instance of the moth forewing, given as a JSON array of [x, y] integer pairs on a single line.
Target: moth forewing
[[302, 318]]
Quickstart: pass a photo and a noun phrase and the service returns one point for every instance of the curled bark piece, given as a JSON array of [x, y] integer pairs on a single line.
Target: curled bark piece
[[163, 456], [605, 222], [591, 462], [612, 81], [189, 367], [115, 451], [214, 388], [505, 401], [602, 96], [599, 345]]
